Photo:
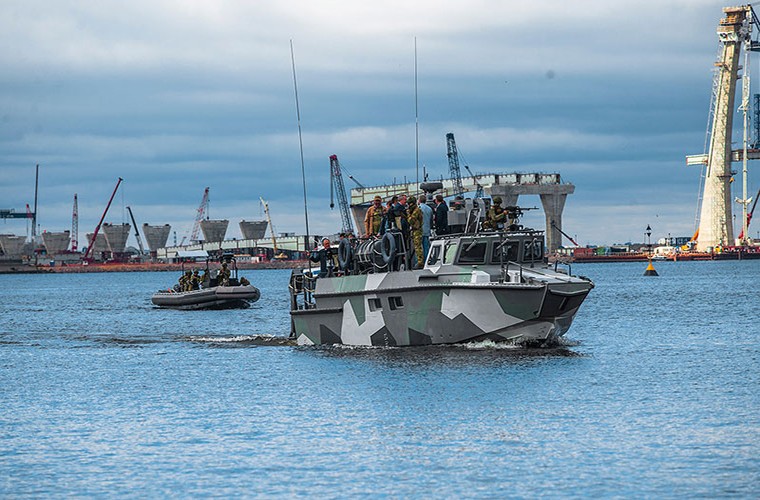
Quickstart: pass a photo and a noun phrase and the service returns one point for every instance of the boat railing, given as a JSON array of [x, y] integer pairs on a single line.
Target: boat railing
[[302, 284]]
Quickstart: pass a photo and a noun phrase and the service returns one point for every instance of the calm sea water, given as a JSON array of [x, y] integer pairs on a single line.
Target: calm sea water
[[657, 394]]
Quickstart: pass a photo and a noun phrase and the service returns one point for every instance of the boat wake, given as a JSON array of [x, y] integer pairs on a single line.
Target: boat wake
[[240, 340]]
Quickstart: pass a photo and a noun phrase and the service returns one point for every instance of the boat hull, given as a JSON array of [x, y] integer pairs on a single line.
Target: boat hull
[[410, 314], [222, 297]]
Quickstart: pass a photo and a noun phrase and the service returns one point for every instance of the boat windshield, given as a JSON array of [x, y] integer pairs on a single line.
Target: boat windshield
[[473, 252], [435, 254], [506, 251], [533, 250], [450, 252]]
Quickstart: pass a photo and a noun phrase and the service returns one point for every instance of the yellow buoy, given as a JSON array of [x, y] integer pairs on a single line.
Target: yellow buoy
[[650, 270]]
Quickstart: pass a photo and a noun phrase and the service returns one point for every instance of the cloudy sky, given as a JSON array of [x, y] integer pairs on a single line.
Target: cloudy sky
[[174, 96]]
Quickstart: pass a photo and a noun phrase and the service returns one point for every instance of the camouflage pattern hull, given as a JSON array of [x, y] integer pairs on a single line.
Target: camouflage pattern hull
[[218, 297], [419, 308]]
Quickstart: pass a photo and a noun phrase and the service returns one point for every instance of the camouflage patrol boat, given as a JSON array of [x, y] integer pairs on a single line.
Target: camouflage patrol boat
[[474, 287]]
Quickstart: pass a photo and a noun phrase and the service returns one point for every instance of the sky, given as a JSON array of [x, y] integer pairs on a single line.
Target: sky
[[176, 96]]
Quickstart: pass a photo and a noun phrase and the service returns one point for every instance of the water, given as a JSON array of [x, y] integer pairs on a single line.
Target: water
[[655, 395]]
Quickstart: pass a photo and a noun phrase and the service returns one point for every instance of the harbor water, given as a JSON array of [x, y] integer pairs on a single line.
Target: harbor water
[[655, 394]]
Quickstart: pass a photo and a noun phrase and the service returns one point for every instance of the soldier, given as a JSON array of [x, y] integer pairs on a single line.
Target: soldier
[[427, 223], [184, 281], [224, 275], [374, 218], [415, 225], [496, 216], [195, 280]]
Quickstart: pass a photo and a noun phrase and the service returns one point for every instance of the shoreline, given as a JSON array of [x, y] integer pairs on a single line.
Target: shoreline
[[143, 267]]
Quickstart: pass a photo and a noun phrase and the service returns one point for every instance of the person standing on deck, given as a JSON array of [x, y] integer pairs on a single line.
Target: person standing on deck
[[427, 223], [415, 225], [374, 218], [441, 216]]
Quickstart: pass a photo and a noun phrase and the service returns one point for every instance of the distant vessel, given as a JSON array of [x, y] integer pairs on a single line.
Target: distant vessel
[[474, 287], [211, 295]]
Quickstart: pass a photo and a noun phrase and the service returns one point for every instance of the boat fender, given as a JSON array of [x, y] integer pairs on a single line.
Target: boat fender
[[344, 254], [388, 248]]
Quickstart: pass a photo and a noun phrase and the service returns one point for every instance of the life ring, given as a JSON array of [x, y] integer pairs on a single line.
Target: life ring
[[344, 254], [388, 248]]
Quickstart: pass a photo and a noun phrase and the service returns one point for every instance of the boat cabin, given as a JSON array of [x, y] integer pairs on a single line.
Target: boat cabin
[[487, 249]]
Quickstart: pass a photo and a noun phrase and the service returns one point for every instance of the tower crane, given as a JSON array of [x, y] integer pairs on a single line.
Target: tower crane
[[75, 225], [336, 184], [137, 233], [202, 210], [454, 172]]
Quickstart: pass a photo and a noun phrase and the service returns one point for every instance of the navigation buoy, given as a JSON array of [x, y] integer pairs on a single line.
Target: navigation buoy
[[650, 270]]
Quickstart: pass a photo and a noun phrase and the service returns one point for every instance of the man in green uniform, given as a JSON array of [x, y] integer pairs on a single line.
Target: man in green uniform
[[195, 280], [414, 218], [184, 282], [496, 216], [224, 275]]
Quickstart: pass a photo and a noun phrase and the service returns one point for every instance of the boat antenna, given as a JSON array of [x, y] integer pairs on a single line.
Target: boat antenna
[[300, 144], [416, 122]]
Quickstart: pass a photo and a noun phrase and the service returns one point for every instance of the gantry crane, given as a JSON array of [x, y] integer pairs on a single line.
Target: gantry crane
[[454, 171], [202, 210], [336, 184]]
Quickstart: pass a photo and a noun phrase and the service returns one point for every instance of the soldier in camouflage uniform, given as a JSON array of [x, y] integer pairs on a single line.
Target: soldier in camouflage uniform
[[184, 282], [496, 216], [195, 280], [415, 225], [224, 275]]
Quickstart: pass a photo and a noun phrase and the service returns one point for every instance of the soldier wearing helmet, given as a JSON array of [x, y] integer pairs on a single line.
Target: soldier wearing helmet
[[496, 215]]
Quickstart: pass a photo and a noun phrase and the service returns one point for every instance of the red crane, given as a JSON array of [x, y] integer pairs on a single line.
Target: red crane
[[749, 215], [97, 229]]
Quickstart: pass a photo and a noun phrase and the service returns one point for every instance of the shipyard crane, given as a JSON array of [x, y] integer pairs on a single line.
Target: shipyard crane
[[336, 184], [750, 214], [454, 172], [75, 225], [137, 233], [97, 228], [275, 253], [479, 191], [202, 210]]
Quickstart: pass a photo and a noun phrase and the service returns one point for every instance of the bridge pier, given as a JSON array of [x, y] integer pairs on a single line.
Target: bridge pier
[[553, 205]]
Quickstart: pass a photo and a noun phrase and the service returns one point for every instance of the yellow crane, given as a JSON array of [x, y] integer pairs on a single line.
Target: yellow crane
[[277, 255]]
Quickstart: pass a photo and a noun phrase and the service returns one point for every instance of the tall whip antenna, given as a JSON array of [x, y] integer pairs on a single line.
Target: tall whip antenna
[[300, 144], [416, 122]]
